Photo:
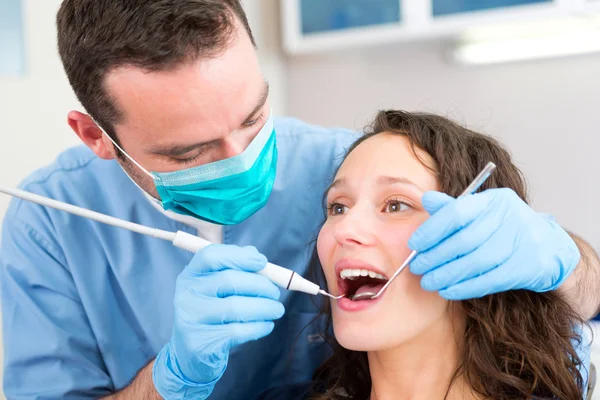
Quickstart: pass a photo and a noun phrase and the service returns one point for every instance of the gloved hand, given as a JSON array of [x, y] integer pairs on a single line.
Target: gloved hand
[[220, 302], [487, 243]]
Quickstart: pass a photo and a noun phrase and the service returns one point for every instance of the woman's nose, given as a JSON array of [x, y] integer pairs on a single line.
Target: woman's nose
[[354, 228]]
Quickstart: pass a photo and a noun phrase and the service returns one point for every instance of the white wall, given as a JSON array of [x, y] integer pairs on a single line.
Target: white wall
[[33, 109], [263, 16], [546, 112]]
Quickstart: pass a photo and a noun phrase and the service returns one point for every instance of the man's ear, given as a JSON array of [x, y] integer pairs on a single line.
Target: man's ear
[[91, 134]]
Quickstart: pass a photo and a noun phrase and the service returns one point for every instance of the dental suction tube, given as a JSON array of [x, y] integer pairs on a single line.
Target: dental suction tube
[[282, 277]]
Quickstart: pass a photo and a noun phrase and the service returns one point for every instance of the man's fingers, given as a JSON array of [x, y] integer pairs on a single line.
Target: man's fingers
[[243, 333], [240, 283], [218, 257], [458, 245], [451, 218], [479, 262], [433, 201], [230, 283], [494, 281], [227, 336], [239, 309]]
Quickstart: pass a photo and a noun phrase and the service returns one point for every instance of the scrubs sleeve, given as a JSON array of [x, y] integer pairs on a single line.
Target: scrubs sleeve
[[50, 350]]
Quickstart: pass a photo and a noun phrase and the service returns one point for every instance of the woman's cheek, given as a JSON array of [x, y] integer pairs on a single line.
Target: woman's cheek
[[325, 248], [397, 237]]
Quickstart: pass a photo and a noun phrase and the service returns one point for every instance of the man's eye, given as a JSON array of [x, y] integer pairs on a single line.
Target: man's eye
[[254, 121], [337, 209], [189, 160]]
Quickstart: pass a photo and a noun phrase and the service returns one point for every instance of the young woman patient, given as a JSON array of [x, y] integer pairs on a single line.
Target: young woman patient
[[410, 343]]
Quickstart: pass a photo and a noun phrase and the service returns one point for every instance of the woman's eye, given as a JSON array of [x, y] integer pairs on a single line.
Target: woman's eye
[[337, 209], [396, 206]]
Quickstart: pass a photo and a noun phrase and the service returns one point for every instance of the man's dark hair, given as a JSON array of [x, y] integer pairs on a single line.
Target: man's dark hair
[[97, 36]]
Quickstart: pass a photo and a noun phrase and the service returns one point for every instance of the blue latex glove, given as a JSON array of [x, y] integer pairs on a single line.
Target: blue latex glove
[[487, 243], [220, 302]]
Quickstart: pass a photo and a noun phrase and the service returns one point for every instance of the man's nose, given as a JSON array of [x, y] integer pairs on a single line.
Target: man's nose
[[231, 147], [354, 228]]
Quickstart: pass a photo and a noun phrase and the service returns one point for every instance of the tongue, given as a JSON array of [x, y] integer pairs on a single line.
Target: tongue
[[375, 288]]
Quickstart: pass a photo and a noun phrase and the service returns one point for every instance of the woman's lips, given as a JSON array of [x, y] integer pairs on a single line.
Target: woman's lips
[[346, 304]]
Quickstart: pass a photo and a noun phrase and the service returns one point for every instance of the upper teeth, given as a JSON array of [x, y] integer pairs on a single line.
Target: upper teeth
[[355, 273]]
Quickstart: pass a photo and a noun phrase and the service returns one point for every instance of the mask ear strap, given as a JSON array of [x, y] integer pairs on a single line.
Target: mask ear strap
[[126, 155]]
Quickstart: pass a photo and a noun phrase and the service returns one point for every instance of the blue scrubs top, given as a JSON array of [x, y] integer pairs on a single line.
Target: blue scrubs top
[[85, 306]]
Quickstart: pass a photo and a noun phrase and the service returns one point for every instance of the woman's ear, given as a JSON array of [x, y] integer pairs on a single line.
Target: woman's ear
[[91, 134]]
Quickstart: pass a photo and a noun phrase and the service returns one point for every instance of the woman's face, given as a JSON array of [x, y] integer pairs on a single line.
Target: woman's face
[[374, 205]]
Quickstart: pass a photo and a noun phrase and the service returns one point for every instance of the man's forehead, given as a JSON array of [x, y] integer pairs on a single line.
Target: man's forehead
[[217, 91], [168, 99]]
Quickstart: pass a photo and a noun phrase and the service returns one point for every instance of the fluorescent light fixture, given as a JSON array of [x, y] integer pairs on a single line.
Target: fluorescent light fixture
[[502, 44]]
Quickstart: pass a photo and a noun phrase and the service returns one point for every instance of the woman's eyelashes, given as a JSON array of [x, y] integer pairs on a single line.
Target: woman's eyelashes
[[390, 205], [335, 208], [396, 205]]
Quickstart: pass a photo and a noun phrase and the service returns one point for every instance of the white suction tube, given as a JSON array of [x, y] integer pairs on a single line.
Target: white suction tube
[[282, 277]]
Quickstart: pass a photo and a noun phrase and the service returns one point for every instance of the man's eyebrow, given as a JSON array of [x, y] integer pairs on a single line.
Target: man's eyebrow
[[180, 149], [261, 102]]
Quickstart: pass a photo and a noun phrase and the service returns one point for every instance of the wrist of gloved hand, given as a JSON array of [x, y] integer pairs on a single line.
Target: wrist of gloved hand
[[172, 384]]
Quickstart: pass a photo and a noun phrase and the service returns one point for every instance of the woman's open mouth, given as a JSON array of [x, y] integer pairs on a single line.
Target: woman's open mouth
[[354, 281]]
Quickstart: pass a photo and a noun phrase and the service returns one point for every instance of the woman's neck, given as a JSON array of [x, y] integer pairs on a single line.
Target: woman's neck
[[422, 368]]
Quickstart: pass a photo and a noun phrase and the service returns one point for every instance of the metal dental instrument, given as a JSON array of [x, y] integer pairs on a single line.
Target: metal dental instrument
[[280, 276], [472, 188]]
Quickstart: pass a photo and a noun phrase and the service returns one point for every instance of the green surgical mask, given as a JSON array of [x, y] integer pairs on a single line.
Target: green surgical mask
[[224, 192]]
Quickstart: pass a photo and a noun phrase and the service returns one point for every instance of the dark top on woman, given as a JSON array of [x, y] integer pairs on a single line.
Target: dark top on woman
[[299, 391]]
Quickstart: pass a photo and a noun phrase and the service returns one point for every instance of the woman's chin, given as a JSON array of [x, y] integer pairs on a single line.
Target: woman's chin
[[379, 331], [374, 336]]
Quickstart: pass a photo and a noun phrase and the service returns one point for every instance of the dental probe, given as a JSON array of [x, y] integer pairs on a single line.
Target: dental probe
[[280, 276], [472, 188]]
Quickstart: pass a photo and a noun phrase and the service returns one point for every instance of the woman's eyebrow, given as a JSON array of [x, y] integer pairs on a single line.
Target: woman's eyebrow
[[389, 180], [337, 183], [382, 180]]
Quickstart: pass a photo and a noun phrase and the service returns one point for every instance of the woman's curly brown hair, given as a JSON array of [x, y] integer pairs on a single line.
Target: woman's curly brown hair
[[518, 344]]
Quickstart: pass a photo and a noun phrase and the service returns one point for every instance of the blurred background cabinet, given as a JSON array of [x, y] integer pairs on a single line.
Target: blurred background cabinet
[[311, 26]]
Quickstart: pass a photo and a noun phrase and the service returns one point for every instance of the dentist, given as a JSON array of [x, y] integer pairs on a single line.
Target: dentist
[[179, 135]]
